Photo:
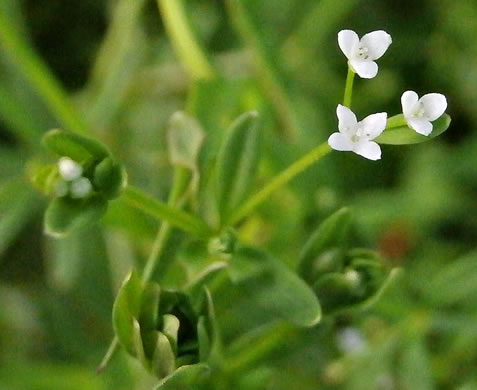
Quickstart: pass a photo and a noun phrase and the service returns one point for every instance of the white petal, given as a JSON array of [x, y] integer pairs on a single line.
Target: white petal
[[374, 124], [348, 40], [69, 170], [377, 43], [340, 142], [369, 150], [409, 101], [364, 68], [421, 125], [346, 119], [434, 105]]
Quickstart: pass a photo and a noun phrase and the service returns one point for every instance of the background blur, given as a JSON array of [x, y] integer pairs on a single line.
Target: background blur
[[417, 205]]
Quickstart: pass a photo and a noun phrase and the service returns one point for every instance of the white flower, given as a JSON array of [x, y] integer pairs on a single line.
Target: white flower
[[69, 170], [419, 113], [361, 53], [357, 136]]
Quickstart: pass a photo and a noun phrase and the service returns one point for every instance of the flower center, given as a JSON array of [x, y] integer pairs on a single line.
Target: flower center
[[420, 112], [363, 53]]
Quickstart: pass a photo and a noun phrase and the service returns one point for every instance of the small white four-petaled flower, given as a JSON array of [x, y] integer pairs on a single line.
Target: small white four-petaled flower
[[419, 113], [361, 53], [357, 136]]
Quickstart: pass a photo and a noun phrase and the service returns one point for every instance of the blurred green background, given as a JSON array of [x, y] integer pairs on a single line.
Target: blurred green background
[[112, 62]]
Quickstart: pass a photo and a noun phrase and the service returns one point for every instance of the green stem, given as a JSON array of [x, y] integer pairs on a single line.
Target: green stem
[[348, 93], [180, 178], [280, 180], [185, 44], [160, 210], [39, 76]]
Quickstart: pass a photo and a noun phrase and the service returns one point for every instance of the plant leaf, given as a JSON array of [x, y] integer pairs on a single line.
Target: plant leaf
[[77, 147], [237, 163], [278, 290], [404, 135], [329, 235], [125, 309], [110, 178], [64, 215]]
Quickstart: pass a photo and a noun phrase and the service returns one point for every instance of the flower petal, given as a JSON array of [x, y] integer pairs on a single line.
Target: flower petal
[[377, 43], [374, 124], [369, 150], [434, 105], [409, 101], [364, 68], [340, 142], [346, 120], [347, 41], [420, 125]]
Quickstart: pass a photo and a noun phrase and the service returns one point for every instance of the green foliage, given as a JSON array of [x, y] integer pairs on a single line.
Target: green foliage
[[237, 163], [276, 254]]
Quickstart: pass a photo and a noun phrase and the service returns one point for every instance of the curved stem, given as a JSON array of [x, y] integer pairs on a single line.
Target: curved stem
[[280, 180], [186, 46], [348, 93]]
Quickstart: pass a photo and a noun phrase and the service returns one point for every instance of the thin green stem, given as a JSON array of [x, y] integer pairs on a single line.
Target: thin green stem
[[41, 79], [185, 44], [181, 176], [160, 210], [348, 93], [280, 180]]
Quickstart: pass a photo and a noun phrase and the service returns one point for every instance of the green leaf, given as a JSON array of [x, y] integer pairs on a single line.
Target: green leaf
[[278, 290], [329, 235], [185, 137], [237, 163], [184, 378], [403, 135], [125, 309], [44, 177], [163, 361], [170, 328], [149, 311], [64, 215], [77, 147], [110, 178]]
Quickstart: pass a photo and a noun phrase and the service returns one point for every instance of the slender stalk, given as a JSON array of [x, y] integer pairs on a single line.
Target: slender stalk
[[160, 210], [181, 177], [280, 180], [348, 93], [39, 76], [185, 44]]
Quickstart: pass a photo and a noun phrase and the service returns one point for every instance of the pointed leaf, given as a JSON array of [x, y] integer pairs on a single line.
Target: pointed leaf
[[125, 309], [185, 137], [149, 308], [403, 135], [329, 235], [64, 214], [163, 361], [170, 328], [237, 163]]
